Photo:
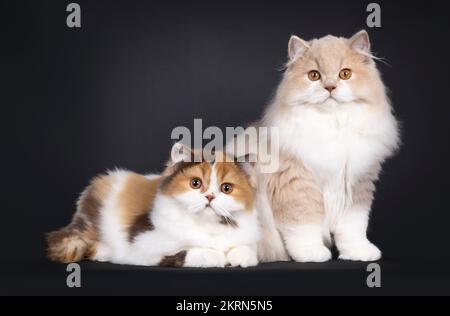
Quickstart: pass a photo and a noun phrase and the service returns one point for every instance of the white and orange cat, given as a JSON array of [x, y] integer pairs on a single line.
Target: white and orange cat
[[193, 215]]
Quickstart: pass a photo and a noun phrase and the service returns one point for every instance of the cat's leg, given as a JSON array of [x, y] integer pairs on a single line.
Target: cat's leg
[[242, 256], [102, 253], [204, 258], [271, 246], [300, 215], [149, 249], [350, 235], [302, 227], [350, 232], [305, 242]]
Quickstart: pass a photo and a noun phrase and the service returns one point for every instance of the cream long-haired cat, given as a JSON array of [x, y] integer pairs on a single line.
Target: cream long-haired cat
[[193, 215], [336, 128]]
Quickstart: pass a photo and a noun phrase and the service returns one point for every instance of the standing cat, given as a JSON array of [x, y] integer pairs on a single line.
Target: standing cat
[[336, 128], [193, 215]]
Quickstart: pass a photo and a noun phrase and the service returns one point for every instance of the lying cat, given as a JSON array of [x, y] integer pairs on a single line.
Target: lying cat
[[193, 215]]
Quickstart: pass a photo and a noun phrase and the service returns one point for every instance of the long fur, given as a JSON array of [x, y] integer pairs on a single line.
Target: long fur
[[126, 218], [331, 152]]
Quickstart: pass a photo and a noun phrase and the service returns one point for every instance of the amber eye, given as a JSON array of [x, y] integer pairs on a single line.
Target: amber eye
[[196, 183], [227, 188], [345, 74], [314, 75]]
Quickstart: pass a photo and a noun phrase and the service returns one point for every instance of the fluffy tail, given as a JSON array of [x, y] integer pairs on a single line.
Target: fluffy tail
[[72, 243], [78, 240]]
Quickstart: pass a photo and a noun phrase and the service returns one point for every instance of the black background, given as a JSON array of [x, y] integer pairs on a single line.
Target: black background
[[75, 102]]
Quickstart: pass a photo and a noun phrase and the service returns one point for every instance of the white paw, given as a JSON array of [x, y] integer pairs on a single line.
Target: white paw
[[205, 258], [242, 257], [102, 254], [318, 253], [365, 252]]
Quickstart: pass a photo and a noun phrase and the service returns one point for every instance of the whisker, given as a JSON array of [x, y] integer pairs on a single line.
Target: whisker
[[224, 212], [196, 206]]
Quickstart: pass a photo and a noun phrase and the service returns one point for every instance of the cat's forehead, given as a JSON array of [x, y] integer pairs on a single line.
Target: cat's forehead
[[216, 166], [200, 169], [221, 169], [330, 52], [228, 170]]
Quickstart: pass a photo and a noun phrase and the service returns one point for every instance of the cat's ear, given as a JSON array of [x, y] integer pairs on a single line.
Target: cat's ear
[[181, 153], [360, 42], [296, 48], [247, 163]]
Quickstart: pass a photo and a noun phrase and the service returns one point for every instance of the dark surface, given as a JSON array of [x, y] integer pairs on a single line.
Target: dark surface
[[77, 102], [275, 279]]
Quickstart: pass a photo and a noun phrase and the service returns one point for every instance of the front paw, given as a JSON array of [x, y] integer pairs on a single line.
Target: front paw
[[242, 257], [102, 254], [366, 252], [318, 253], [204, 258]]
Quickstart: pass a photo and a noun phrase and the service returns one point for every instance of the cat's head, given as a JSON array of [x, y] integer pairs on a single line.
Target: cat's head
[[215, 184], [332, 71]]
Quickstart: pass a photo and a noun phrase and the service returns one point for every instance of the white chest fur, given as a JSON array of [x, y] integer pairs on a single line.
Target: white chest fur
[[338, 146], [187, 230]]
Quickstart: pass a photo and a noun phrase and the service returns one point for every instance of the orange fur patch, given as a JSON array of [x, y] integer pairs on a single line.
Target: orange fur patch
[[91, 200], [136, 197], [180, 181]]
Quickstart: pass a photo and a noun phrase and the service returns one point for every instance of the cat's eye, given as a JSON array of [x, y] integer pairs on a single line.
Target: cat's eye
[[196, 183], [227, 188], [314, 75], [345, 74]]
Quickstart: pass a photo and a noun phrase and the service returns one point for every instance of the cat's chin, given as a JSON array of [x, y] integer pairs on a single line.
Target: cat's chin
[[332, 102], [213, 211], [214, 214], [208, 213], [324, 104]]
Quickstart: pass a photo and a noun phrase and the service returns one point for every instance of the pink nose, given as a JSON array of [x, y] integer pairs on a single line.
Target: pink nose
[[210, 197], [330, 88]]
